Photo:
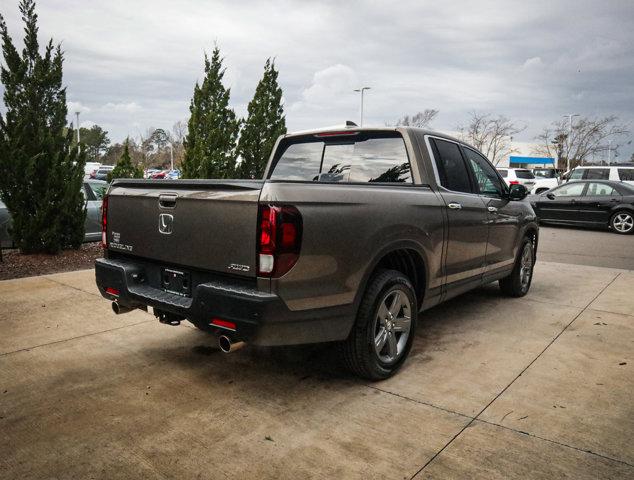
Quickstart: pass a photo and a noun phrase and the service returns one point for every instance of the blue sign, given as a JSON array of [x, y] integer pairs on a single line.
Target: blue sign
[[532, 160]]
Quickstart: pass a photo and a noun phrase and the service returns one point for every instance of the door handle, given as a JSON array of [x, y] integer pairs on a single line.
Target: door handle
[[492, 209], [454, 206], [167, 200]]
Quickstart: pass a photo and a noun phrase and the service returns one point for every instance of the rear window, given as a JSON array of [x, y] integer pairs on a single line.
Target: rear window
[[362, 158], [626, 174], [546, 173], [524, 174]]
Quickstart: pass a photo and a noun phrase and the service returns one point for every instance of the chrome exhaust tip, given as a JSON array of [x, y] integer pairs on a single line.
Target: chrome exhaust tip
[[227, 346], [119, 309]]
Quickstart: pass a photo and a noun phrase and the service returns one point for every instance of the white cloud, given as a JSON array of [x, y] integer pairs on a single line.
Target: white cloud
[[129, 107], [531, 62], [76, 107]]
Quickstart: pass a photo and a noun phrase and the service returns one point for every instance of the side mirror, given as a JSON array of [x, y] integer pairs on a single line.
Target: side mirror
[[517, 192], [551, 196]]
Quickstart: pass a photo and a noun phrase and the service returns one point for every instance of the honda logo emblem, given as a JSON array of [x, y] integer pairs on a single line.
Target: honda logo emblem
[[166, 223]]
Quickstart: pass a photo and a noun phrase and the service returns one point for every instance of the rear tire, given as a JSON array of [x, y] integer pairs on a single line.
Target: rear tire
[[519, 281], [383, 332], [622, 222]]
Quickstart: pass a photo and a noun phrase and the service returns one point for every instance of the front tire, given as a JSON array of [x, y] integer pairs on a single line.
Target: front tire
[[383, 332], [519, 281], [622, 222]]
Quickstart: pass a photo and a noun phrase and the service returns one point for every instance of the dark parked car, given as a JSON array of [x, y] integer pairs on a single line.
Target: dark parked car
[[94, 191], [593, 203], [346, 238]]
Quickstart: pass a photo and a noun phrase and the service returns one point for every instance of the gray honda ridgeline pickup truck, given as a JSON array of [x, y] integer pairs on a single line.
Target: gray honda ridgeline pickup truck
[[350, 234]]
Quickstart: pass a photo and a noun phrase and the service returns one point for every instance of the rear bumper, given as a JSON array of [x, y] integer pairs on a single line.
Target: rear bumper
[[261, 318]]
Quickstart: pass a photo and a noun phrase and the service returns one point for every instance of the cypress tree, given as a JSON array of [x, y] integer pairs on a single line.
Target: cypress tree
[[264, 124], [124, 167], [213, 127], [42, 173]]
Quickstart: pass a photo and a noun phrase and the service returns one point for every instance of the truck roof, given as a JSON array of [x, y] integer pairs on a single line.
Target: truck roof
[[344, 128]]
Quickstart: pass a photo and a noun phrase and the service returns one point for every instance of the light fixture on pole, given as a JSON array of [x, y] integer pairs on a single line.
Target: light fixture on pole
[[569, 115], [362, 89]]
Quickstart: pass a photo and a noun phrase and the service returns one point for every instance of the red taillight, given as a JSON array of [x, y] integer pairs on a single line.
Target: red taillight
[[104, 221], [514, 182], [219, 322], [279, 239]]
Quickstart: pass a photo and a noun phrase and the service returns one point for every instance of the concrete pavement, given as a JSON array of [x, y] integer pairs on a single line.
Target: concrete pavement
[[538, 387], [582, 246]]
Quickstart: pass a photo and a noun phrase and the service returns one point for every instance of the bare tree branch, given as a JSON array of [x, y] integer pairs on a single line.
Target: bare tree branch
[[588, 138], [420, 120], [491, 135]]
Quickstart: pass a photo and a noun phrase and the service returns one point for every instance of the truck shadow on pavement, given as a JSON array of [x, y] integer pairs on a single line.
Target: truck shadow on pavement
[[436, 330]]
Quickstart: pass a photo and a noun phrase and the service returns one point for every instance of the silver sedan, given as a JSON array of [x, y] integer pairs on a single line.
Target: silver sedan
[[93, 193]]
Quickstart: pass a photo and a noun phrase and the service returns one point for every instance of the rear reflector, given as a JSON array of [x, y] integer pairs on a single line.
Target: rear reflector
[[112, 291], [219, 322]]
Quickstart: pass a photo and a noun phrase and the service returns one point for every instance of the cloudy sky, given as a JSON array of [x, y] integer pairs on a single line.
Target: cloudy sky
[[131, 65]]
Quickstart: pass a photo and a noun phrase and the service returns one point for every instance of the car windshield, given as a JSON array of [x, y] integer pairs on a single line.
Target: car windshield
[[524, 174]]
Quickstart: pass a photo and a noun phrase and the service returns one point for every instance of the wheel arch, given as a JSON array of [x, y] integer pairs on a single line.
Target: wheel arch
[[406, 257]]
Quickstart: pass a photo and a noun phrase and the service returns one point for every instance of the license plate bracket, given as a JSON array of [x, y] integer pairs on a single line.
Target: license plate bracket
[[176, 281]]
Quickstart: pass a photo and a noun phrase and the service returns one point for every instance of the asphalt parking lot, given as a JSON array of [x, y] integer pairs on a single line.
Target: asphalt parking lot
[[538, 387]]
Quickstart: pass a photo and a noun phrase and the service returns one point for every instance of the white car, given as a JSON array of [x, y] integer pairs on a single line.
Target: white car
[[545, 178], [623, 173], [521, 176], [91, 167]]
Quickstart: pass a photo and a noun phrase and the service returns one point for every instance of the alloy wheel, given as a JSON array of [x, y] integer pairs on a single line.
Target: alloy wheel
[[526, 265], [623, 222], [392, 325]]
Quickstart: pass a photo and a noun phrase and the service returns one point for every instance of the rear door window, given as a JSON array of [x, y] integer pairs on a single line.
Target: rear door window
[[504, 173], [626, 174], [597, 174], [451, 167], [362, 158], [596, 189]]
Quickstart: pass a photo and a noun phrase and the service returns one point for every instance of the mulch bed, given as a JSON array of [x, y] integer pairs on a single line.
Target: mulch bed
[[16, 265]]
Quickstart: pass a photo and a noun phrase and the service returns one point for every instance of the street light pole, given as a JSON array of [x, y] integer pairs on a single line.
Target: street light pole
[[362, 89], [570, 115], [609, 152], [77, 115]]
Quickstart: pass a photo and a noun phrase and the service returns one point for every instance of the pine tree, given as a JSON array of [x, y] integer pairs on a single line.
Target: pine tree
[[124, 167], [42, 173], [264, 124], [213, 127]]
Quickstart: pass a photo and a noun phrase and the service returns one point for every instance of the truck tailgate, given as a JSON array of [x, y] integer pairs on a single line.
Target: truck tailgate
[[203, 224]]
